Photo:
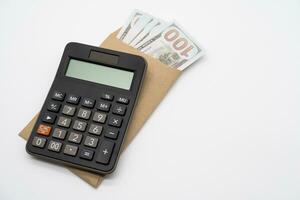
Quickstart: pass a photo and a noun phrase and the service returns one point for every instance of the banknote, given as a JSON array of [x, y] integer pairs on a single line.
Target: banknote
[[147, 30], [131, 22], [173, 47], [134, 25], [166, 41]]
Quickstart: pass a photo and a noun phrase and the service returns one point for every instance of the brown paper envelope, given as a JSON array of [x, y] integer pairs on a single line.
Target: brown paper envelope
[[158, 80]]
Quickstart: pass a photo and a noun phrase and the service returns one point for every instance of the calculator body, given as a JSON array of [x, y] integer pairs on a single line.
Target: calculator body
[[84, 118]]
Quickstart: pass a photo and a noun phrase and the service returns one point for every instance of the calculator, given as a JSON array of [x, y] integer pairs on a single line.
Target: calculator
[[84, 118]]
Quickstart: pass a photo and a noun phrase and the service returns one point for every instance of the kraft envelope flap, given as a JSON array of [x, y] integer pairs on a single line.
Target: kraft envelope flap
[[158, 80]]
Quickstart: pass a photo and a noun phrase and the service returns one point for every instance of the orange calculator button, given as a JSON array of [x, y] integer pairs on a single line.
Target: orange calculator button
[[44, 130]]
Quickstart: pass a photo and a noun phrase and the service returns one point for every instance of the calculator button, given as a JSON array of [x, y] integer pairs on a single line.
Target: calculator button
[[95, 129], [87, 102], [54, 146], [84, 114], [115, 121], [70, 150], [58, 95], [107, 96], [79, 125], [119, 110], [73, 99], [39, 142], [75, 137], [91, 141], [99, 117], [49, 118], [68, 110], [64, 122], [105, 152], [86, 154], [111, 133], [123, 100], [103, 106], [43, 130], [54, 107], [59, 133]]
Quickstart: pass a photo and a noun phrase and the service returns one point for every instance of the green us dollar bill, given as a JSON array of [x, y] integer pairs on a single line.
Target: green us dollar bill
[[173, 47], [134, 26]]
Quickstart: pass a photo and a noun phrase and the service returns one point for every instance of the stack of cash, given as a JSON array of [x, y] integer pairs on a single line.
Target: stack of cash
[[165, 41]]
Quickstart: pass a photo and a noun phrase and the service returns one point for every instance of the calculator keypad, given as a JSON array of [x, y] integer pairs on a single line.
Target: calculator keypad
[[81, 127]]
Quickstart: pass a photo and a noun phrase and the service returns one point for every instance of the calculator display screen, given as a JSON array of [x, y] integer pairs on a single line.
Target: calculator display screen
[[99, 74]]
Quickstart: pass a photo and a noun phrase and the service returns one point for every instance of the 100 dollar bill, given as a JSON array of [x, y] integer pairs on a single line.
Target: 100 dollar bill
[[167, 42], [134, 25], [173, 47]]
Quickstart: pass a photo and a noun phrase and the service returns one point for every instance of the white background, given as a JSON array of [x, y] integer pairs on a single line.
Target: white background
[[228, 129]]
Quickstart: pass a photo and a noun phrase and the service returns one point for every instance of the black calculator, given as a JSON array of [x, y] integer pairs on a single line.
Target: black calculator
[[85, 116]]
